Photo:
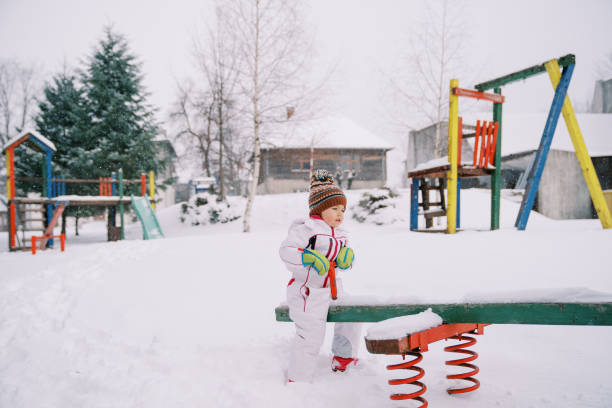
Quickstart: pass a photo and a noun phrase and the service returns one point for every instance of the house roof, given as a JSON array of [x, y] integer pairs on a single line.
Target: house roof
[[34, 139], [522, 132], [329, 133]]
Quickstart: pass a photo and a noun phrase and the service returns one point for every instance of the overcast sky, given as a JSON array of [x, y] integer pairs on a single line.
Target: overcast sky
[[363, 37]]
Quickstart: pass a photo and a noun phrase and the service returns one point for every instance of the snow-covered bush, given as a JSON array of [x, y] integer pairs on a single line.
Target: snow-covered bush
[[377, 207], [204, 209]]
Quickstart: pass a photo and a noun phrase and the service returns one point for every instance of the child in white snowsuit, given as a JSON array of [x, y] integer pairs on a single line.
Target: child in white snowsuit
[[311, 244]]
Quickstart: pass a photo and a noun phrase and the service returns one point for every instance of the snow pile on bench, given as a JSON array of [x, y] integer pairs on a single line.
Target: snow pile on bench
[[403, 326]]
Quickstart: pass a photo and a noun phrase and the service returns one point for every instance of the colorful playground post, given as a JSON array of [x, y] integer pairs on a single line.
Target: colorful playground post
[[451, 184]]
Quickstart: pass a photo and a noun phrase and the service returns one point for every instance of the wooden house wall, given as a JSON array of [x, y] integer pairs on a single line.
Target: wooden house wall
[[290, 168]]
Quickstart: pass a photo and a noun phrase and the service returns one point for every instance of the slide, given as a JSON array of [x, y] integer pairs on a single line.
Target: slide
[[144, 211]]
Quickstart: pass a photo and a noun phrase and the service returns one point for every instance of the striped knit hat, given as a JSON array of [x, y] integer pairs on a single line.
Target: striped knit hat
[[323, 193]]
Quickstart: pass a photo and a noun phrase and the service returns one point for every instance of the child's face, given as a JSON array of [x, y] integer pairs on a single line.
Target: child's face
[[333, 216]]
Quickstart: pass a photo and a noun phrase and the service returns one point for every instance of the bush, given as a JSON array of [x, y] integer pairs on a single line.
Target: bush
[[204, 209], [378, 207]]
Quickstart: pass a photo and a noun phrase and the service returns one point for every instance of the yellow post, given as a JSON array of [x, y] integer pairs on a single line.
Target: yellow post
[[451, 177], [586, 164], [152, 188]]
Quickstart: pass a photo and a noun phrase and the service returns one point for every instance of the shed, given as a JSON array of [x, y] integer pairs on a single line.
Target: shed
[[356, 156]]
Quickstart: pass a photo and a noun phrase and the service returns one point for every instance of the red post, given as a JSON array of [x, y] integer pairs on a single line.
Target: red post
[[143, 184], [478, 129], [33, 245], [492, 152], [483, 140], [63, 241]]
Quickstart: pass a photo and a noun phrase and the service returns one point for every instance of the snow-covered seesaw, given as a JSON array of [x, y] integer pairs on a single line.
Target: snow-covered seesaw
[[408, 329]]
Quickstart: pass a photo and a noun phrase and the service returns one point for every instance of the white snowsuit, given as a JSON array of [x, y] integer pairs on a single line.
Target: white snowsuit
[[308, 296]]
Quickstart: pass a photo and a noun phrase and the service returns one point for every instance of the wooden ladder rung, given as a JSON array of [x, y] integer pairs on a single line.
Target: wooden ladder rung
[[433, 214]]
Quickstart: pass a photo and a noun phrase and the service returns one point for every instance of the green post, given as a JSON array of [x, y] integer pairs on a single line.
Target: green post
[[120, 178], [496, 176]]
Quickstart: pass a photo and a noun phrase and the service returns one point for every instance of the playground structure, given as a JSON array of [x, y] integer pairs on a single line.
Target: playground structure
[[54, 199], [488, 160]]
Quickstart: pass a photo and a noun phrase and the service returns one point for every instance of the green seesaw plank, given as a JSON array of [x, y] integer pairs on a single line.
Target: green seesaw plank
[[523, 74], [579, 314]]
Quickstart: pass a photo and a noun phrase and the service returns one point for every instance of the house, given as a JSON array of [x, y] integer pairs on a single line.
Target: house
[[356, 157], [562, 193]]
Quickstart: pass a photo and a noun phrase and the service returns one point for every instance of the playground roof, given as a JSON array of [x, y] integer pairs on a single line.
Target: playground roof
[[33, 139], [522, 132], [329, 133]]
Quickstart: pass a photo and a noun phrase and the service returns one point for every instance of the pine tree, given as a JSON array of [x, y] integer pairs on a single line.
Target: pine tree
[[122, 123], [63, 119]]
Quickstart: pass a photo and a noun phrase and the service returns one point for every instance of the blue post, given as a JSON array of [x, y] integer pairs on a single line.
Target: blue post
[[535, 174], [414, 204], [458, 223], [49, 186]]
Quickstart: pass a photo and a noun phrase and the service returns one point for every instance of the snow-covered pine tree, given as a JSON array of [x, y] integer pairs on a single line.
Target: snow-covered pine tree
[[63, 119], [122, 122]]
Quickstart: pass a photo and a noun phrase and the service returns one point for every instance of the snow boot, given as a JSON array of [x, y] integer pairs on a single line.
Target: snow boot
[[341, 363]]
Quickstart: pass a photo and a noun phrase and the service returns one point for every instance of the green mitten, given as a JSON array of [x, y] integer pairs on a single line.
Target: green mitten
[[310, 257], [345, 258]]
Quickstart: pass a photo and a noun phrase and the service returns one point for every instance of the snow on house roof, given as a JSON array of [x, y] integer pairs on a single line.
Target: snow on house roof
[[33, 133], [331, 132], [523, 131]]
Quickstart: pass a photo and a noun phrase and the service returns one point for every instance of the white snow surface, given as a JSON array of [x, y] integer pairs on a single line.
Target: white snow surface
[[398, 327], [188, 321]]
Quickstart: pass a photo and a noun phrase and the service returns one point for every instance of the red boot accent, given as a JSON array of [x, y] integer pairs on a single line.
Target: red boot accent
[[341, 363]]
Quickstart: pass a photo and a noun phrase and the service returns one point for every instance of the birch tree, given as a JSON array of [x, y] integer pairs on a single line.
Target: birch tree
[[193, 115], [273, 52], [217, 61], [435, 54], [18, 87]]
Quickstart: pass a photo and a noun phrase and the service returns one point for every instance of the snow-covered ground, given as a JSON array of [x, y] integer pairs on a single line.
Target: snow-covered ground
[[188, 321]]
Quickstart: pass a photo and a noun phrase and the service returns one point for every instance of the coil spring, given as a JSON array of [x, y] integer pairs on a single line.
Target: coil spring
[[463, 362], [410, 365]]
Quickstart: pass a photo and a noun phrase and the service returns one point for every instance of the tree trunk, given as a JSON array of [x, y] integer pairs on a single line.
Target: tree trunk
[[221, 195], [246, 226]]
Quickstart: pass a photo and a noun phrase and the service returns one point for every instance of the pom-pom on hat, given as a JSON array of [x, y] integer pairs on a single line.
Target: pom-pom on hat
[[323, 193]]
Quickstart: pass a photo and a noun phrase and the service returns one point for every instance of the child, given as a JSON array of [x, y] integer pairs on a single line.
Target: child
[[311, 244]]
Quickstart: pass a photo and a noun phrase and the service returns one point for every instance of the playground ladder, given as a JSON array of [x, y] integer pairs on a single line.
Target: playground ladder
[[439, 209], [27, 214]]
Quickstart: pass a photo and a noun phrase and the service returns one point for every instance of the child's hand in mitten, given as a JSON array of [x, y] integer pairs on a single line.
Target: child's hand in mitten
[[345, 258], [313, 258]]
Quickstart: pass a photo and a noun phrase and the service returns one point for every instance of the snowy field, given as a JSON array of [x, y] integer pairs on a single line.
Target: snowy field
[[188, 321]]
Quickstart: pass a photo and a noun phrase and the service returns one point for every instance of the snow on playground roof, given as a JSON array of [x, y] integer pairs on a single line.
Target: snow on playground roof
[[522, 132], [37, 135], [331, 132]]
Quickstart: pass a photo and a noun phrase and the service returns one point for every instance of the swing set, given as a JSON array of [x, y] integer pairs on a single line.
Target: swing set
[[487, 150]]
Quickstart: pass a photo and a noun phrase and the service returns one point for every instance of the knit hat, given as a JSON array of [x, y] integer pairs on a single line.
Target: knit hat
[[323, 193]]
